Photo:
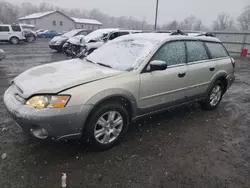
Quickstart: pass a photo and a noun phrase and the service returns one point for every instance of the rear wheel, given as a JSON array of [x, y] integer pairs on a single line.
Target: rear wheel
[[214, 98], [14, 40], [106, 126]]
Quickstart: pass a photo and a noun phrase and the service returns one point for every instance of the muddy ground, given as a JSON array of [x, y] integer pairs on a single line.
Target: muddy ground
[[185, 147]]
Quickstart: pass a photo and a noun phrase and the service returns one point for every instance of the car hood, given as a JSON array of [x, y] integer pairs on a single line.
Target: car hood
[[55, 77]]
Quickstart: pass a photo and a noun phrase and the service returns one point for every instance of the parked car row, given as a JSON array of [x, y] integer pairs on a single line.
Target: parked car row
[[77, 44]]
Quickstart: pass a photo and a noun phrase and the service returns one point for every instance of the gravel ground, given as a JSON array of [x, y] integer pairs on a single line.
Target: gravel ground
[[185, 147]]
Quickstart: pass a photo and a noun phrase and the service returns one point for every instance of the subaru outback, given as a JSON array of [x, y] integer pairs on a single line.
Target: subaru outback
[[128, 78]]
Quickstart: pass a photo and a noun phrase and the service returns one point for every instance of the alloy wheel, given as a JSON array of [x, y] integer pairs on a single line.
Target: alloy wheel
[[108, 127], [215, 95]]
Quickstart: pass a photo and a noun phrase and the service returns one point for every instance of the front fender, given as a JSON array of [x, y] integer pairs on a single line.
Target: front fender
[[114, 92]]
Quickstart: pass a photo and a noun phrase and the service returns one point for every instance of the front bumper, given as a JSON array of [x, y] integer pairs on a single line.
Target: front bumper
[[56, 47], [61, 124]]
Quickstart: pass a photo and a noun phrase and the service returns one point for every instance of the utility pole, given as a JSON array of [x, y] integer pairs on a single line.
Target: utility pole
[[156, 14]]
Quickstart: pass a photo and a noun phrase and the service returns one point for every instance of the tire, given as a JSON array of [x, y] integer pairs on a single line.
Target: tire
[[14, 40], [30, 39], [214, 97], [100, 140]]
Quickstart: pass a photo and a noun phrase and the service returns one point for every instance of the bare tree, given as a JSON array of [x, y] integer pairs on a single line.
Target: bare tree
[[27, 8], [8, 12], [174, 25], [187, 23], [143, 23], [244, 19], [223, 22], [43, 7], [191, 23]]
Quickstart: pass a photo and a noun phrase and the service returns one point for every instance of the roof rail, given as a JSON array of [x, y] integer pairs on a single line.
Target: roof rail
[[178, 32], [207, 34]]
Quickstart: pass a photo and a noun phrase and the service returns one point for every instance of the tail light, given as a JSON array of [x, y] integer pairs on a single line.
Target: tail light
[[233, 62], [23, 33]]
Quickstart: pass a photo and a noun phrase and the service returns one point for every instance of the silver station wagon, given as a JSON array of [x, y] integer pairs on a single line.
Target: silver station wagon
[[130, 77]]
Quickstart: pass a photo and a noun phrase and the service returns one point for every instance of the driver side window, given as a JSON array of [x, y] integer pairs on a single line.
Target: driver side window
[[173, 53]]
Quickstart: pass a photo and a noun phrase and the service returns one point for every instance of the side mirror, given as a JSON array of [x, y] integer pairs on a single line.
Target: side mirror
[[158, 65]]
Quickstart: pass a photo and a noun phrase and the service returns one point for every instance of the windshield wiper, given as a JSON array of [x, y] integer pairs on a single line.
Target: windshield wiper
[[104, 65], [90, 61]]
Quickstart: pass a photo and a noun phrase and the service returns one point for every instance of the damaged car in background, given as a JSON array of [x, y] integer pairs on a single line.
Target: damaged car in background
[[95, 99], [57, 42], [81, 46]]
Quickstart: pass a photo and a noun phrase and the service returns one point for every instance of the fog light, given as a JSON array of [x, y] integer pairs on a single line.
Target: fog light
[[39, 132]]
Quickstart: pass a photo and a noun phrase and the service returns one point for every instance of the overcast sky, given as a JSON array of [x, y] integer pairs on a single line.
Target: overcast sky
[[206, 10]]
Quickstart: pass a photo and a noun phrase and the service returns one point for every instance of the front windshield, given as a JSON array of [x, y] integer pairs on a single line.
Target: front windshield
[[122, 54], [70, 33]]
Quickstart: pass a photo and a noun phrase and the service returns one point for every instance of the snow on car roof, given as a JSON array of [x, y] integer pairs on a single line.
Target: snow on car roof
[[161, 37], [37, 15], [86, 21]]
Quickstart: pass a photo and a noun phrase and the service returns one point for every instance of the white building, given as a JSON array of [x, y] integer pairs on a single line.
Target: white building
[[57, 21], [87, 24]]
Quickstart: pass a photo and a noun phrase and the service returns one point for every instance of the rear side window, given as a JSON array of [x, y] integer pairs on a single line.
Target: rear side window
[[16, 28], [196, 51], [173, 53], [113, 36], [123, 33], [82, 33], [4, 29], [217, 50]]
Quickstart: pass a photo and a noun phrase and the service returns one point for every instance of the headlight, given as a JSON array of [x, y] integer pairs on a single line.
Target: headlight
[[48, 101]]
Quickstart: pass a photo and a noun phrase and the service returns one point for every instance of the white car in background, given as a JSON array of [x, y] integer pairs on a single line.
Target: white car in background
[[11, 33]]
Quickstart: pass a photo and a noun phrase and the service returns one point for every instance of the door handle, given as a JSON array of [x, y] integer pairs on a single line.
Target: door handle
[[212, 69], [181, 74]]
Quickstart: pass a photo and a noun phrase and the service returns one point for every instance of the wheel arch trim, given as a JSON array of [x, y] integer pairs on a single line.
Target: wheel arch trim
[[112, 93]]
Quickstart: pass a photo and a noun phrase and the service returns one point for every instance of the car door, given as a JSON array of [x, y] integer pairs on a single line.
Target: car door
[[160, 89], [201, 69], [4, 32]]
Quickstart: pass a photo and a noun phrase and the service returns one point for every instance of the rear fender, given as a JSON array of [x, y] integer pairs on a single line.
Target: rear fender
[[217, 76]]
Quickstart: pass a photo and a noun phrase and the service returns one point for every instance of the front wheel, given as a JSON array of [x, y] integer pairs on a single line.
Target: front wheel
[[214, 97], [106, 126]]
